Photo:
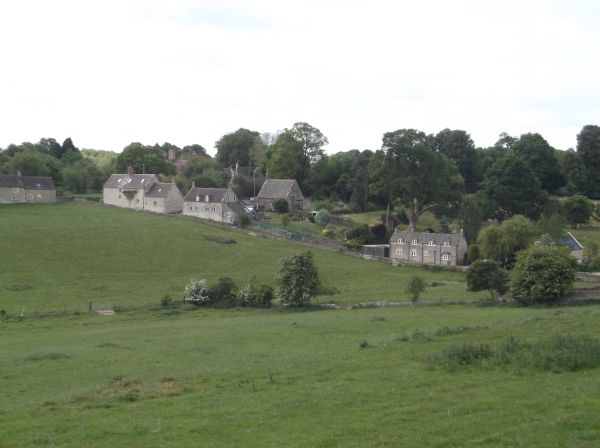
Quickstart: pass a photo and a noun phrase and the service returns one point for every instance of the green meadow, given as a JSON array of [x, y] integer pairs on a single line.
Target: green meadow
[[179, 376]]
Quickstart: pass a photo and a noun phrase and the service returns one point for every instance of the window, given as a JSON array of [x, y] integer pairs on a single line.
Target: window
[[154, 203], [426, 253], [192, 208], [197, 198], [31, 196], [137, 201], [214, 209], [431, 243], [413, 253], [207, 198], [119, 196], [207, 208], [400, 240], [39, 196], [446, 256], [414, 242], [399, 252], [446, 243]]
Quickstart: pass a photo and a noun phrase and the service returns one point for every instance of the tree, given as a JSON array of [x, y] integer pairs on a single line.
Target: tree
[[235, 147], [470, 218], [578, 210], [501, 242], [143, 159], [511, 188], [30, 162], [542, 274], [51, 147], [311, 139], [458, 146], [420, 177], [588, 151], [486, 275], [192, 150], [574, 172], [415, 287], [297, 279], [280, 205], [286, 160], [360, 182], [539, 155]]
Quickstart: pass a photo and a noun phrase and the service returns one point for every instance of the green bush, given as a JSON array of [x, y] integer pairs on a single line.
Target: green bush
[[542, 274], [285, 220], [486, 275], [359, 235], [415, 287], [280, 205], [256, 297], [323, 217], [473, 253], [297, 279], [244, 220], [223, 293]]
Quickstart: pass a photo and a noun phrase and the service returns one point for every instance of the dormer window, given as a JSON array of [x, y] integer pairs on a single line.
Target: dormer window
[[143, 180], [207, 198], [197, 198], [415, 242], [446, 243], [431, 243], [400, 240]]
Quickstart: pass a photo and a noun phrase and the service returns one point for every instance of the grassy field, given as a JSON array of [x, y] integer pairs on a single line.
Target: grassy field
[[245, 378], [65, 255]]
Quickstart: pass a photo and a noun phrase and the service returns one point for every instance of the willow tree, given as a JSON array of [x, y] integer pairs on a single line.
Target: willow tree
[[420, 177]]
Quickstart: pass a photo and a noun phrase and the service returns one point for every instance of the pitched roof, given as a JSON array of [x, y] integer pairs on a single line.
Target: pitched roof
[[276, 188], [124, 181], [160, 190], [568, 240], [27, 182], [425, 237], [214, 194], [236, 207]]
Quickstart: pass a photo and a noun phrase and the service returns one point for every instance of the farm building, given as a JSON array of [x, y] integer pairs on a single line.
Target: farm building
[[447, 249], [287, 189], [213, 204], [15, 189]]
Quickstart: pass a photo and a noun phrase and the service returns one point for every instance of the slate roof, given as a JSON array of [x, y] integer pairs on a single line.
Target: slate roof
[[570, 241], [214, 194], [160, 190], [425, 237], [236, 207], [276, 188], [124, 181], [27, 182]]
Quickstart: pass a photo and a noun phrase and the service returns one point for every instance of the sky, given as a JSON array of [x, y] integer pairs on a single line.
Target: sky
[[108, 73]]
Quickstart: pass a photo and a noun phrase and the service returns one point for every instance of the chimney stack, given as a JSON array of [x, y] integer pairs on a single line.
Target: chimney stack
[[193, 184], [130, 171]]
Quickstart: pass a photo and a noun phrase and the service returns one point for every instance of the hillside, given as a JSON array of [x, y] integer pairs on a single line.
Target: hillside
[[69, 254]]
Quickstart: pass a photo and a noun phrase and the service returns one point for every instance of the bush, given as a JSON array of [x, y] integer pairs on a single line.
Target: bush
[[285, 220], [297, 279], [473, 253], [379, 231], [578, 210], [415, 287], [256, 297], [464, 355], [542, 274], [244, 220], [196, 292], [329, 231], [223, 293], [359, 235], [486, 275], [280, 205], [323, 217]]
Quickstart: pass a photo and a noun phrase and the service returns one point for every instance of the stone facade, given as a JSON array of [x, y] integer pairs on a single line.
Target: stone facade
[[446, 249], [164, 198], [213, 204], [128, 190], [19, 189], [287, 189]]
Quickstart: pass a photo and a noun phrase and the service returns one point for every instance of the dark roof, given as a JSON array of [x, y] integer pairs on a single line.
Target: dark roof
[[124, 181], [276, 188], [236, 207], [568, 240], [214, 194], [160, 190], [27, 182], [425, 237]]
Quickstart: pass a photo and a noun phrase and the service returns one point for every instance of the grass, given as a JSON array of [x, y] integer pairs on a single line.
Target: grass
[[244, 378], [60, 257]]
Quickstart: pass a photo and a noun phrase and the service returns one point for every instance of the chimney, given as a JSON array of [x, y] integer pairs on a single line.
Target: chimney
[[193, 184], [130, 171], [237, 166]]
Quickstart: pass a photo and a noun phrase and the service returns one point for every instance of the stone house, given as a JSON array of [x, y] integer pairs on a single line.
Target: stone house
[[287, 189], [447, 249], [15, 189], [569, 241], [142, 192], [213, 204], [164, 198]]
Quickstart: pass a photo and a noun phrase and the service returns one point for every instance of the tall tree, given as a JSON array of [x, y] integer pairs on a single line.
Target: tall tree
[[511, 187], [470, 218], [51, 147], [573, 172], [420, 177], [539, 155], [312, 140], [360, 182], [192, 150], [286, 160], [235, 147], [458, 146], [588, 150], [143, 158]]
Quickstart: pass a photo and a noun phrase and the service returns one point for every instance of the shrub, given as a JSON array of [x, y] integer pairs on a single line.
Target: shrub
[[359, 235], [473, 253], [244, 220], [542, 274], [329, 231], [323, 217], [223, 293], [578, 210], [256, 297], [486, 275], [280, 205], [415, 287], [285, 220], [379, 231], [464, 355], [297, 279], [196, 292]]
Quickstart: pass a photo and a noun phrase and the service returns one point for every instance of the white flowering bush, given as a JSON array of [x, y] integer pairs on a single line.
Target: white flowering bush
[[196, 292], [248, 296]]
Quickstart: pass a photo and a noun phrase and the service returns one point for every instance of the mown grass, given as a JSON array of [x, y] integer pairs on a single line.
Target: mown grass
[[60, 257], [244, 378]]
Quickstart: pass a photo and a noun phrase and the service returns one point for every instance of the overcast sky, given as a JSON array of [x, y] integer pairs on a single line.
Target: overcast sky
[[107, 73]]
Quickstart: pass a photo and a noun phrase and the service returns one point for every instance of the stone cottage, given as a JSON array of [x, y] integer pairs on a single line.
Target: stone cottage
[[447, 249], [164, 198], [15, 189], [213, 204], [287, 189]]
